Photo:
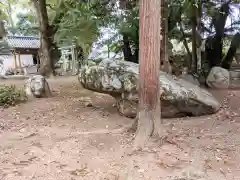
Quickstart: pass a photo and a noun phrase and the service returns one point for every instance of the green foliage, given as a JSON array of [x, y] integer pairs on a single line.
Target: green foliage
[[115, 47], [91, 63], [26, 25], [10, 96], [79, 23]]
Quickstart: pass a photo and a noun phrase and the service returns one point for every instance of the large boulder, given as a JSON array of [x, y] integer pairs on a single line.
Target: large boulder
[[190, 78], [218, 78], [120, 80], [37, 86]]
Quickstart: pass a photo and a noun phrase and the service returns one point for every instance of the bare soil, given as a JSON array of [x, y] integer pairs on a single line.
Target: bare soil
[[67, 138]]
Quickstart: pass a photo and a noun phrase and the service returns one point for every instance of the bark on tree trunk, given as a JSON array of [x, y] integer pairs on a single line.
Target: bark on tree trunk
[[9, 11], [80, 57], [127, 52], [227, 60], [199, 38], [149, 120], [46, 39], [186, 46], [164, 41], [214, 45], [2, 29], [194, 40], [166, 59]]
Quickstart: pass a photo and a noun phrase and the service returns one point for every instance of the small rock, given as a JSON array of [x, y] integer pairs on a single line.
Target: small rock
[[218, 78], [141, 170], [190, 78], [86, 101], [88, 104], [37, 86]]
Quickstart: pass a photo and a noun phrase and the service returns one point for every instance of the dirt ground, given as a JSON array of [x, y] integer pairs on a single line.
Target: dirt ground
[[62, 138]]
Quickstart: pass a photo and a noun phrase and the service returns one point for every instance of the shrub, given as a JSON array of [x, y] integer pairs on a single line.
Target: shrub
[[10, 96]]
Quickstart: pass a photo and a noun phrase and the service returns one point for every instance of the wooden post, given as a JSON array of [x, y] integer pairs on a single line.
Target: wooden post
[[15, 60], [19, 63], [149, 120], [73, 60], [38, 61]]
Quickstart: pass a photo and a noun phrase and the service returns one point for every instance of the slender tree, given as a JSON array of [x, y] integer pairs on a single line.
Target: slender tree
[[46, 38], [199, 32], [149, 120], [194, 37], [2, 29], [164, 32]]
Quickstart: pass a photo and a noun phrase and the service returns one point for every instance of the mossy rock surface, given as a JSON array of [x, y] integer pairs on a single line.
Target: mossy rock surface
[[120, 80]]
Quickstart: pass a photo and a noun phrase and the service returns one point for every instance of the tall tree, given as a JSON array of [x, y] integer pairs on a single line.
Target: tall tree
[[164, 32], [2, 29], [46, 38], [194, 36], [129, 29], [149, 105], [199, 32]]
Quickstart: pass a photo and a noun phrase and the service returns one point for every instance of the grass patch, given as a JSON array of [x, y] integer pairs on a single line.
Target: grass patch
[[10, 96]]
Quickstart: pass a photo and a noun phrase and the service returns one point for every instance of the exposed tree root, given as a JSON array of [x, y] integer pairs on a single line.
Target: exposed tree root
[[149, 123], [145, 128]]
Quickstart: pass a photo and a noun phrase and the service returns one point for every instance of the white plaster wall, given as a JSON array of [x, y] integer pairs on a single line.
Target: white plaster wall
[[26, 60], [8, 62]]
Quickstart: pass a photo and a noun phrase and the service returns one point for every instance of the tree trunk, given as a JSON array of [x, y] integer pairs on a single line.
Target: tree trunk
[[168, 66], [127, 52], [194, 39], [185, 43], [149, 120], [46, 39], [80, 58], [2, 30], [164, 40], [135, 57], [199, 37], [9, 11], [213, 46], [227, 61]]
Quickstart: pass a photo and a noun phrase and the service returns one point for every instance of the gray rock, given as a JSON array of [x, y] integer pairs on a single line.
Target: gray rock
[[2, 77], [37, 86], [190, 78], [120, 80], [218, 78]]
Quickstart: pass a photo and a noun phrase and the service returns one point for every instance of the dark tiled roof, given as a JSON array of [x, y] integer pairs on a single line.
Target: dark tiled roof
[[27, 42]]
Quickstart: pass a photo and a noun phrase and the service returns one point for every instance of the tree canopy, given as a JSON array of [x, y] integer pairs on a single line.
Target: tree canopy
[[81, 23]]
